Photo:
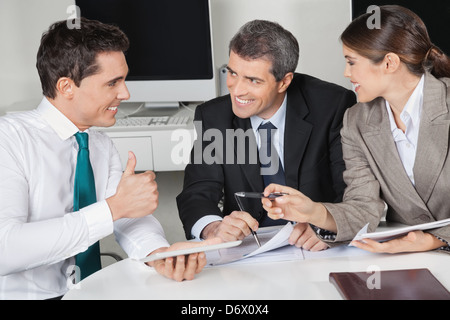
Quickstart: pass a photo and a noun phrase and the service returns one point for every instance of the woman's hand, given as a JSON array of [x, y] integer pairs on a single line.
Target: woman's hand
[[414, 241], [295, 206]]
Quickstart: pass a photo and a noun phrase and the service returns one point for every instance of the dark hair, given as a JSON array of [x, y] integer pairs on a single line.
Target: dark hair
[[71, 52], [401, 32], [260, 38]]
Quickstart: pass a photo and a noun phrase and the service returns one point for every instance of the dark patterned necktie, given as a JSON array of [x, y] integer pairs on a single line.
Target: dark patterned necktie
[[271, 166]]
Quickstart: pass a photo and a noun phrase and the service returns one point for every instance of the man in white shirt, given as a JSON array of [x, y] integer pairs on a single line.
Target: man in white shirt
[[83, 74]]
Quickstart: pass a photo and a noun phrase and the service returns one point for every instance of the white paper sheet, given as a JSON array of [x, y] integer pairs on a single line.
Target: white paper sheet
[[271, 238]]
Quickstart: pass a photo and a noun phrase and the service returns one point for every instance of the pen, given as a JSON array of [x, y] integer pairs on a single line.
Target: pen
[[271, 196], [256, 237], [238, 200]]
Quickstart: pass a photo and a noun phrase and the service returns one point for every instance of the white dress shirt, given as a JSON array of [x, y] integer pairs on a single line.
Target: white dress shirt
[[278, 120], [39, 233], [406, 142]]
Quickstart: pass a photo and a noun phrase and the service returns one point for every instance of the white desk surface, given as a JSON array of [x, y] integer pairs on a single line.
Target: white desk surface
[[302, 279]]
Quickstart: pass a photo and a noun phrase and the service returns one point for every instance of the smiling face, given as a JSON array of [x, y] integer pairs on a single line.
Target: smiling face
[[366, 76], [96, 100], [253, 88]]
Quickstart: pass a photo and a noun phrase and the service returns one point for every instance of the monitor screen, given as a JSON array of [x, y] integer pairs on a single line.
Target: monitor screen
[[434, 13], [170, 58]]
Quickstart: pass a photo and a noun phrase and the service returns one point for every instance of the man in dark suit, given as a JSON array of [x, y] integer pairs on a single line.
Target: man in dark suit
[[304, 113]]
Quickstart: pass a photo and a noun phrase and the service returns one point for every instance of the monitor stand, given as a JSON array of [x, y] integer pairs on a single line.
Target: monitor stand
[[157, 105], [157, 109]]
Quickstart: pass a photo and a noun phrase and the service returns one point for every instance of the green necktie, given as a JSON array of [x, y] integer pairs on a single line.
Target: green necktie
[[84, 195]]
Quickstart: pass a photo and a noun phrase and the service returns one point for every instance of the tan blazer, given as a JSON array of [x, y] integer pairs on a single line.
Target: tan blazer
[[375, 174]]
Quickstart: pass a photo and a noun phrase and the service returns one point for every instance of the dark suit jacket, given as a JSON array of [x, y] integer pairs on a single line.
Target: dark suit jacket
[[313, 160]]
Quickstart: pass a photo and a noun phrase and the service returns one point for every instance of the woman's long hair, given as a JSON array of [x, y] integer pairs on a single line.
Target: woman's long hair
[[401, 32]]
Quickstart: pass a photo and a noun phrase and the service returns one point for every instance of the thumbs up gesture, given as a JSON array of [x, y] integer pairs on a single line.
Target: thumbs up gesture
[[131, 164], [136, 195]]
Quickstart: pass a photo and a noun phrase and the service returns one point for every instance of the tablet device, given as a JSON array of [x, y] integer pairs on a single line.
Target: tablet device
[[182, 252], [393, 233]]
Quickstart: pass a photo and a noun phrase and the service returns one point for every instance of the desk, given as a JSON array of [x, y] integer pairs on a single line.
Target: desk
[[302, 279]]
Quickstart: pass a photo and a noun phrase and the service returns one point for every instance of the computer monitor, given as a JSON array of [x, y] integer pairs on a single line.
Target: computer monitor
[[434, 13], [170, 58]]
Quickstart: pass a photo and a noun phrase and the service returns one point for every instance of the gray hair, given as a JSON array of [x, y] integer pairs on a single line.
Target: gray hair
[[259, 38]]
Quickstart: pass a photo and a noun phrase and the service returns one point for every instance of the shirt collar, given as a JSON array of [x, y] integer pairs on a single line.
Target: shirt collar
[[277, 119], [56, 120], [413, 108]]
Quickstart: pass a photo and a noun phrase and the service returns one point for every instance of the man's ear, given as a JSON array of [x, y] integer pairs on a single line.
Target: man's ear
[[65, 87], [285, 82]]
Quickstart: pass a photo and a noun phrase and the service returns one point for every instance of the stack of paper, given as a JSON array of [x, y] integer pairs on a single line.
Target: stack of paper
[[271, 238]]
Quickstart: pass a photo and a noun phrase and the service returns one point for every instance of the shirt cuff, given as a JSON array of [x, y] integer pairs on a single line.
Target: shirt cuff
[[202, 223], [140, 236], [146, 247], [99, 221], [444, 248], [324, 234]]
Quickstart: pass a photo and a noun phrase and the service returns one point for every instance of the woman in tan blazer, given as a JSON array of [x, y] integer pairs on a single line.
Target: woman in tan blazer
[[395, 140]]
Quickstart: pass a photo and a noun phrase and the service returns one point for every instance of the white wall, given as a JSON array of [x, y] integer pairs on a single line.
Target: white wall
[[317, 25], [22, 23]]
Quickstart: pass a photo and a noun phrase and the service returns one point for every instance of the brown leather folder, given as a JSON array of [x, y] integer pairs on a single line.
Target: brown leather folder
[[413, 284]]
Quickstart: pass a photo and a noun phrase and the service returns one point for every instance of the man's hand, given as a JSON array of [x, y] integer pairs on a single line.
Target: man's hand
[[182, 267], [136, 195], [235, 226], [303, 236]]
